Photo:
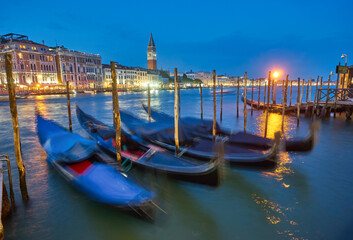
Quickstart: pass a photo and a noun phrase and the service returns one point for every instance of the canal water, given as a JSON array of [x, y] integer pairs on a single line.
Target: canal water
[[306, 196]]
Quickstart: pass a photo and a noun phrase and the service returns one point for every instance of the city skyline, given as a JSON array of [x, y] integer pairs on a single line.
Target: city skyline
[[299, 47]]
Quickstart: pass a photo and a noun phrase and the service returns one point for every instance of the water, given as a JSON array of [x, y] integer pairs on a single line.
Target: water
[[307, 196]]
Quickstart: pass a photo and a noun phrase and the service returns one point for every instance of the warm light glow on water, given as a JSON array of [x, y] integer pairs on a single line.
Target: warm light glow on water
[[274, 124]]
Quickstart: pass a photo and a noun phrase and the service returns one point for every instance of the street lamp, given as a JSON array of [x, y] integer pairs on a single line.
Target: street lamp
[[344, 56]]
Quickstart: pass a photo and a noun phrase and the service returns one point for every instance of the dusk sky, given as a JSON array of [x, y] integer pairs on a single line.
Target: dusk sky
[[302, 38]]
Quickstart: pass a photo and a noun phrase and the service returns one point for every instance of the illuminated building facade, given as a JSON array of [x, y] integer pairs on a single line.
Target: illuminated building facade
[[33, 63], [81, 70]]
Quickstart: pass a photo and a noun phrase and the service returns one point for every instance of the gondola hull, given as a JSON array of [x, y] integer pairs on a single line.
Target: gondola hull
[[204, 149], [82, 164], [252, 141], [153, 158]]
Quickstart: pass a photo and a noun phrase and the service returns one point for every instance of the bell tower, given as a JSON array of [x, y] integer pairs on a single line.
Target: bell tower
[[151, 55]]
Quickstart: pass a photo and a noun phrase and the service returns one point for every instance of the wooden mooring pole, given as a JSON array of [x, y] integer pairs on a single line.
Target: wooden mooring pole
[[176, 118], [268, 101], [315, 96], [307, 92], [252, 95], [179, 98], [327, 98], [16, 130], [298, 105], [284, 102], [265, 96], [238, 99], [214, 106], [68, 104], [245, 99], [221, 102], [310, 82], [149, 102], [116, 114], [290, 93], [201, 101], [335, 107], [258, 97]]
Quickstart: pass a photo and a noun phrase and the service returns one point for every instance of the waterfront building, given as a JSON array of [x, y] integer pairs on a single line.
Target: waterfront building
[[151, 55], [36, 64], [81, 70], [205, 77], [226, 80], [33, 63], [126, 76]]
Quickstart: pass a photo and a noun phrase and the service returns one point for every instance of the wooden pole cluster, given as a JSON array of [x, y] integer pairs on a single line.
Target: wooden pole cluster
[[16, 130], [221, 112], [214, 106], [176, 118], [116, 112], [68, 104], [238, 99], [201, 101], [149, 102], [268, 101], [245, 99]]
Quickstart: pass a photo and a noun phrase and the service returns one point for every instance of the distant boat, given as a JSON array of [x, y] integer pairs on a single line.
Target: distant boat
[[19, 97], [224, 91], [89, 91]]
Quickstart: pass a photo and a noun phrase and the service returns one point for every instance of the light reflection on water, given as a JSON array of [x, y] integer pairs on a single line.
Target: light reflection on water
[[305, 196]]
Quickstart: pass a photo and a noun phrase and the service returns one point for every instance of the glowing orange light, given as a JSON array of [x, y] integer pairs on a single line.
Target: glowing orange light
[[275, 74]]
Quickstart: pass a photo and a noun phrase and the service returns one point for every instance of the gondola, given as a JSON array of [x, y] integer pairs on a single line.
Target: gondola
[[302, 144], [81, 162], [162, 135], [146, 155]]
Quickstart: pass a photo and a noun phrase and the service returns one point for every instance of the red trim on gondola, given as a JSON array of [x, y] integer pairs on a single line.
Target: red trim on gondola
[[81, 167]]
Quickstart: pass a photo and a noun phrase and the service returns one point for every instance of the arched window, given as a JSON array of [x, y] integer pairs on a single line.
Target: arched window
[[71, 70], [63, 67]]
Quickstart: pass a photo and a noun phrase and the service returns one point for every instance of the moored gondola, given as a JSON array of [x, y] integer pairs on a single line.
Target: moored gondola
[[301, 144], [81, 162], [148, 156], [200, 148]]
